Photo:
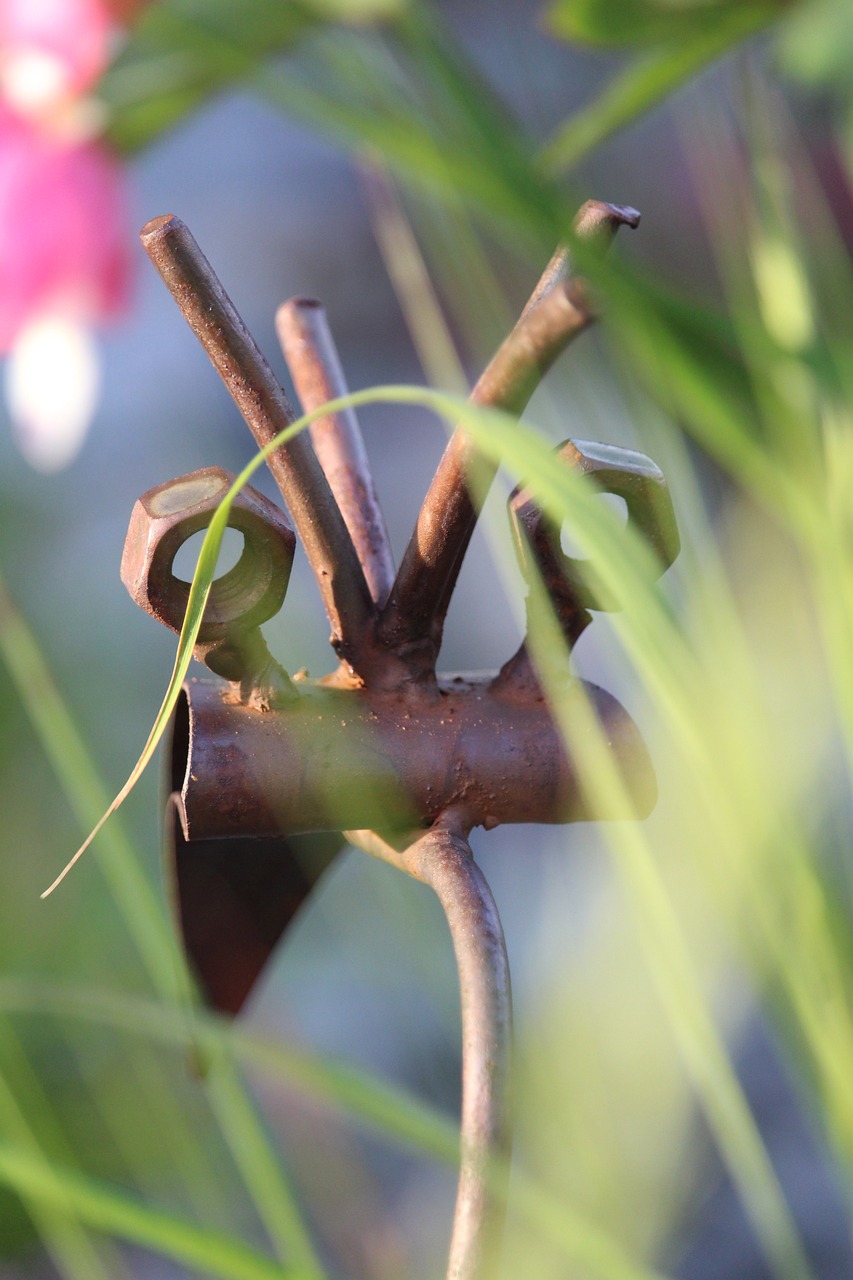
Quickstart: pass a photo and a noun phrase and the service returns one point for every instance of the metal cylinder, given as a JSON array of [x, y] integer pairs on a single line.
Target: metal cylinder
[[347, 758]]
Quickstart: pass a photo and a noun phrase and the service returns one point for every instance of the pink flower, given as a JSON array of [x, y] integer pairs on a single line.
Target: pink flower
[[62, 232], [63, 246], [51, 50]]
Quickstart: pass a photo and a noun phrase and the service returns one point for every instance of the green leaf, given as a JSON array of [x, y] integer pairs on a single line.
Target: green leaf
[[116, 1212], [816, 46], [647, 81], [183, 51], [410, 98], [632, 22]]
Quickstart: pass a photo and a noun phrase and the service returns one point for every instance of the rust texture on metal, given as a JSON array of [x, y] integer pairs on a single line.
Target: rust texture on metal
[[263, 767], [596, 221], [335, 758], [230, 641], [312, 358], [251, 382], [234, 898], [558, 311], [570, 586], [442, 859]]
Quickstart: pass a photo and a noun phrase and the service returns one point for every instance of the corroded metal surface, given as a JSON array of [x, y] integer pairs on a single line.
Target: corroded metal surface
[[312, 358], [229, 641], [625, 474], [332, 759], [384, 743], [233, 900], [443, 860], [234, 354], [558, 311]]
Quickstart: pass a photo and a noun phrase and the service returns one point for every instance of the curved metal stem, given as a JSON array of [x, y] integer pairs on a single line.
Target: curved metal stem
[[442, 859]]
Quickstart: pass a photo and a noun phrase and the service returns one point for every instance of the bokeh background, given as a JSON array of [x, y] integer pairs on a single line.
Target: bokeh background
[[606, 1115]]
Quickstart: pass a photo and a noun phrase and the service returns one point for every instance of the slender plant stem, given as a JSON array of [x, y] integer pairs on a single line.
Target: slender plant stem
[[213, 318], [309, 349]]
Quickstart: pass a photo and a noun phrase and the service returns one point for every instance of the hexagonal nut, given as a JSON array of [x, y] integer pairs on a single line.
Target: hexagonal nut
[[162, 521], [623, 472]]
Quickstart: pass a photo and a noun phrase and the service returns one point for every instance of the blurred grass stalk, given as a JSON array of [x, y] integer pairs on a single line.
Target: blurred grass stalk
[[750, 680], [158, 949], [742, 681]]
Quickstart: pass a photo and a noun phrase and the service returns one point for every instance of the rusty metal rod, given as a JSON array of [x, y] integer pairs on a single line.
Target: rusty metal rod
[[309, 349], [558, 311], [255, 390], [443, 860], [595, 221]]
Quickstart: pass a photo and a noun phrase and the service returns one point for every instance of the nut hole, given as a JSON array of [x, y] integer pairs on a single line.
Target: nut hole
[[618, 508], [230, 554]]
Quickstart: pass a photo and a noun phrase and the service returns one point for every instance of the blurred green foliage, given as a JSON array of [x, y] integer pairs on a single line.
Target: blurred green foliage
[[738, 889], [638, 22]]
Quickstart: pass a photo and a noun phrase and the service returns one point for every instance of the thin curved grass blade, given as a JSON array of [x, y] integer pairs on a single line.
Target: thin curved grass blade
[[492, 429]]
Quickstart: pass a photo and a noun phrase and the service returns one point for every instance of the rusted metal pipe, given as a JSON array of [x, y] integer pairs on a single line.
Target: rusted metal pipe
[[311, 355], [558, 311], [334, 759], [255, 390], [442, 859]]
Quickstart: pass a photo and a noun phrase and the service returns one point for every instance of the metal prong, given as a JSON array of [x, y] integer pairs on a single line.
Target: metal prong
[[559, 309], [312, 358], [213, 318]]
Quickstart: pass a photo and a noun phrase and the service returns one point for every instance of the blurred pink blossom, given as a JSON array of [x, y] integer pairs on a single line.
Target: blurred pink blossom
[[64, 261], [63, 244], [51, 49]]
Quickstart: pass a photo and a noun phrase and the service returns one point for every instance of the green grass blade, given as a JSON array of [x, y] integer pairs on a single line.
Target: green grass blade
[[78, 777], [66, 1239], [107, 1209], [670, 965], [645, 83], [148, 925], [258, 1166], [182, 52], [387, 1110], [613, 23]]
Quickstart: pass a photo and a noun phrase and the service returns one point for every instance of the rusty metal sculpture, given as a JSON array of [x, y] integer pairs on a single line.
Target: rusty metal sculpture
[[266, 771]]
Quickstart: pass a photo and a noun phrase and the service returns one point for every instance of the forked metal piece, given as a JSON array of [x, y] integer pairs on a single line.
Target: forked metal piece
[[384, 745]]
